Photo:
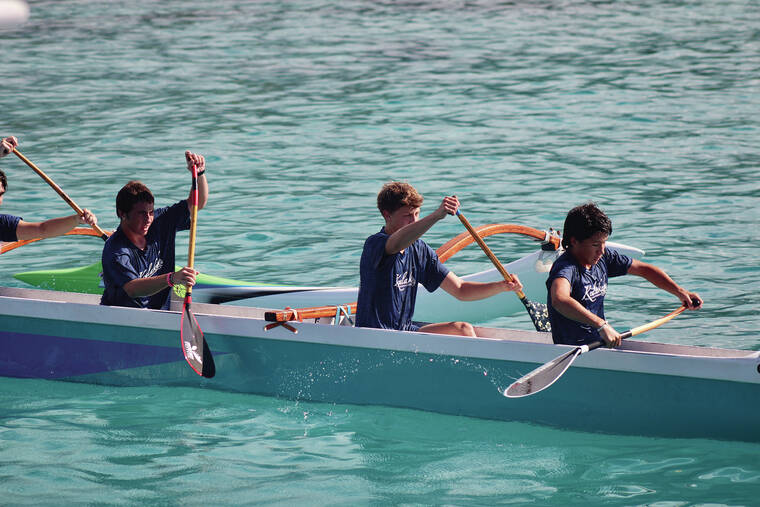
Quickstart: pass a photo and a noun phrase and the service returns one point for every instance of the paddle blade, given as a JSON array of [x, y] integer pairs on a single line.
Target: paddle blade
[[543, 376], [539, 314], [194, 347]]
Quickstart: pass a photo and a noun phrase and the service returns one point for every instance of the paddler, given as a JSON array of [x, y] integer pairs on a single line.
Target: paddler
[[13, 228], [395, 260], [577, 282], [138, 258]]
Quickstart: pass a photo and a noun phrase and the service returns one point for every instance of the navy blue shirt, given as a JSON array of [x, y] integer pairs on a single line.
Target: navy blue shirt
[[124, 262], [8, 224], [388, 283], [588, 287]]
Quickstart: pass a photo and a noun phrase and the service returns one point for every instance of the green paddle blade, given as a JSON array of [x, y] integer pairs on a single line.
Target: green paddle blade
[[543, 376], [539, 314]]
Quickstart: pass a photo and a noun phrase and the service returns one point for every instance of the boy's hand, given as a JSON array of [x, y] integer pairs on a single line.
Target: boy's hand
[[610, 337], [449, 206]]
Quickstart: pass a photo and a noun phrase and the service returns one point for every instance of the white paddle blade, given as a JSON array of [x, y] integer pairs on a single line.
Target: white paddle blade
[[543, 376]]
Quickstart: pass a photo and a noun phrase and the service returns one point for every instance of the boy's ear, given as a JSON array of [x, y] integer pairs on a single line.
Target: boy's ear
[[385, 213]]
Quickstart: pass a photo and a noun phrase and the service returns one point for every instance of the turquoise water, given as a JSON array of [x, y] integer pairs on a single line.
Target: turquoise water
[[304, 109]]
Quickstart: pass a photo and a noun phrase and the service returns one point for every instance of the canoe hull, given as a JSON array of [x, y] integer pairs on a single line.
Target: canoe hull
[[645, 389]]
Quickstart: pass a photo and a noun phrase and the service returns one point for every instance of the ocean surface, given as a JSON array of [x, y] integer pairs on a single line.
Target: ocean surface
[[304, 108]]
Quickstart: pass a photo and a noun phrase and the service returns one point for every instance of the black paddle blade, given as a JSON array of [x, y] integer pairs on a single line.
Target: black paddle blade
[[539, 314], [543, 376], [197, 353]]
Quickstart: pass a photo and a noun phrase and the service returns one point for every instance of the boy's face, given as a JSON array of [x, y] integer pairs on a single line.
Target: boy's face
[[138, 220], [403, 216], [590, 250]]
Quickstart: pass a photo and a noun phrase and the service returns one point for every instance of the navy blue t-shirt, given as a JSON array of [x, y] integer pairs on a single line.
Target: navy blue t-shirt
[[588, 287], [124, 262], [388, 283], [8, 224]]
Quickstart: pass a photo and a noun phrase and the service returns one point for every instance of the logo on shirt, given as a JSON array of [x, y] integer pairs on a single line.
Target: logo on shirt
[[404, 280], [594, 291], [152, 269]]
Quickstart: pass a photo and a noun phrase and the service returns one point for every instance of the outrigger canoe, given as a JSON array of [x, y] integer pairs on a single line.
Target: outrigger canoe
[[642, 388], [532, 270]]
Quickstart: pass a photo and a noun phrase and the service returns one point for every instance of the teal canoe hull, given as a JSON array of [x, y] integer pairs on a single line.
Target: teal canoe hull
[[647, 389]]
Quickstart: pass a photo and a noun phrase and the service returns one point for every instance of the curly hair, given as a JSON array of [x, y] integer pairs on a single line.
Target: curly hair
[[396, 194], [130, 194], [584, 221]]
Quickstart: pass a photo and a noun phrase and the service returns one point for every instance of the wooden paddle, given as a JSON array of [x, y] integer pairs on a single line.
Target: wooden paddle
[[537, 311], [55, 187], [191, 335], [547, 374]]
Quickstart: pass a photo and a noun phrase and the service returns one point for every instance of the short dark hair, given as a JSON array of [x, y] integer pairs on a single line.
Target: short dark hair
[[3, 180], [130, 194], [395, 194], [584, 221]]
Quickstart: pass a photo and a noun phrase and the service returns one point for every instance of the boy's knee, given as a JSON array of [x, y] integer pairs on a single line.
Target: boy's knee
[[465, 328]]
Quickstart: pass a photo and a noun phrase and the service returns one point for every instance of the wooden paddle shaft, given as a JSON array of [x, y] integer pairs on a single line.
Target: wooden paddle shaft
[[58, 190], [193, 223], [488, 252], [643, 328]]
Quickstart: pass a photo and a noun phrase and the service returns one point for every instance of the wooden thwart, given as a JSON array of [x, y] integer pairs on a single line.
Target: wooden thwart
[[312, 312], [79, 231], [456, 244]]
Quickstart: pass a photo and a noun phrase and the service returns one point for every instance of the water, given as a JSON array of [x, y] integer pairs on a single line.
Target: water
[[304, 109]]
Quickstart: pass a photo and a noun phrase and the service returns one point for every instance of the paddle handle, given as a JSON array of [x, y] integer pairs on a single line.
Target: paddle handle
[[193, 223], [487, 251], [643, 328], [60, 192]]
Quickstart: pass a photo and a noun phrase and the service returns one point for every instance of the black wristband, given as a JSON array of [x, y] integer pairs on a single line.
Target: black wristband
[[201, 173]]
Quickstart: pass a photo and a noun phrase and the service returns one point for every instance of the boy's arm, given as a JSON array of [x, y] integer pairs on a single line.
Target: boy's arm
[[143, 287], [200, 162], [54, 226], [473, 291], [410, 233], [562, 301], [659, 278]]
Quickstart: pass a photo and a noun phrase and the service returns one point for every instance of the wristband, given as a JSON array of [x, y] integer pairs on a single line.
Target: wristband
[[602, 326], [201, 173], [169, 279]]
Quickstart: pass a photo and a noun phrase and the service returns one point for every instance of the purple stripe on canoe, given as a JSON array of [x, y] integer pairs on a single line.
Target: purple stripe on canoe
[[51, 357]]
